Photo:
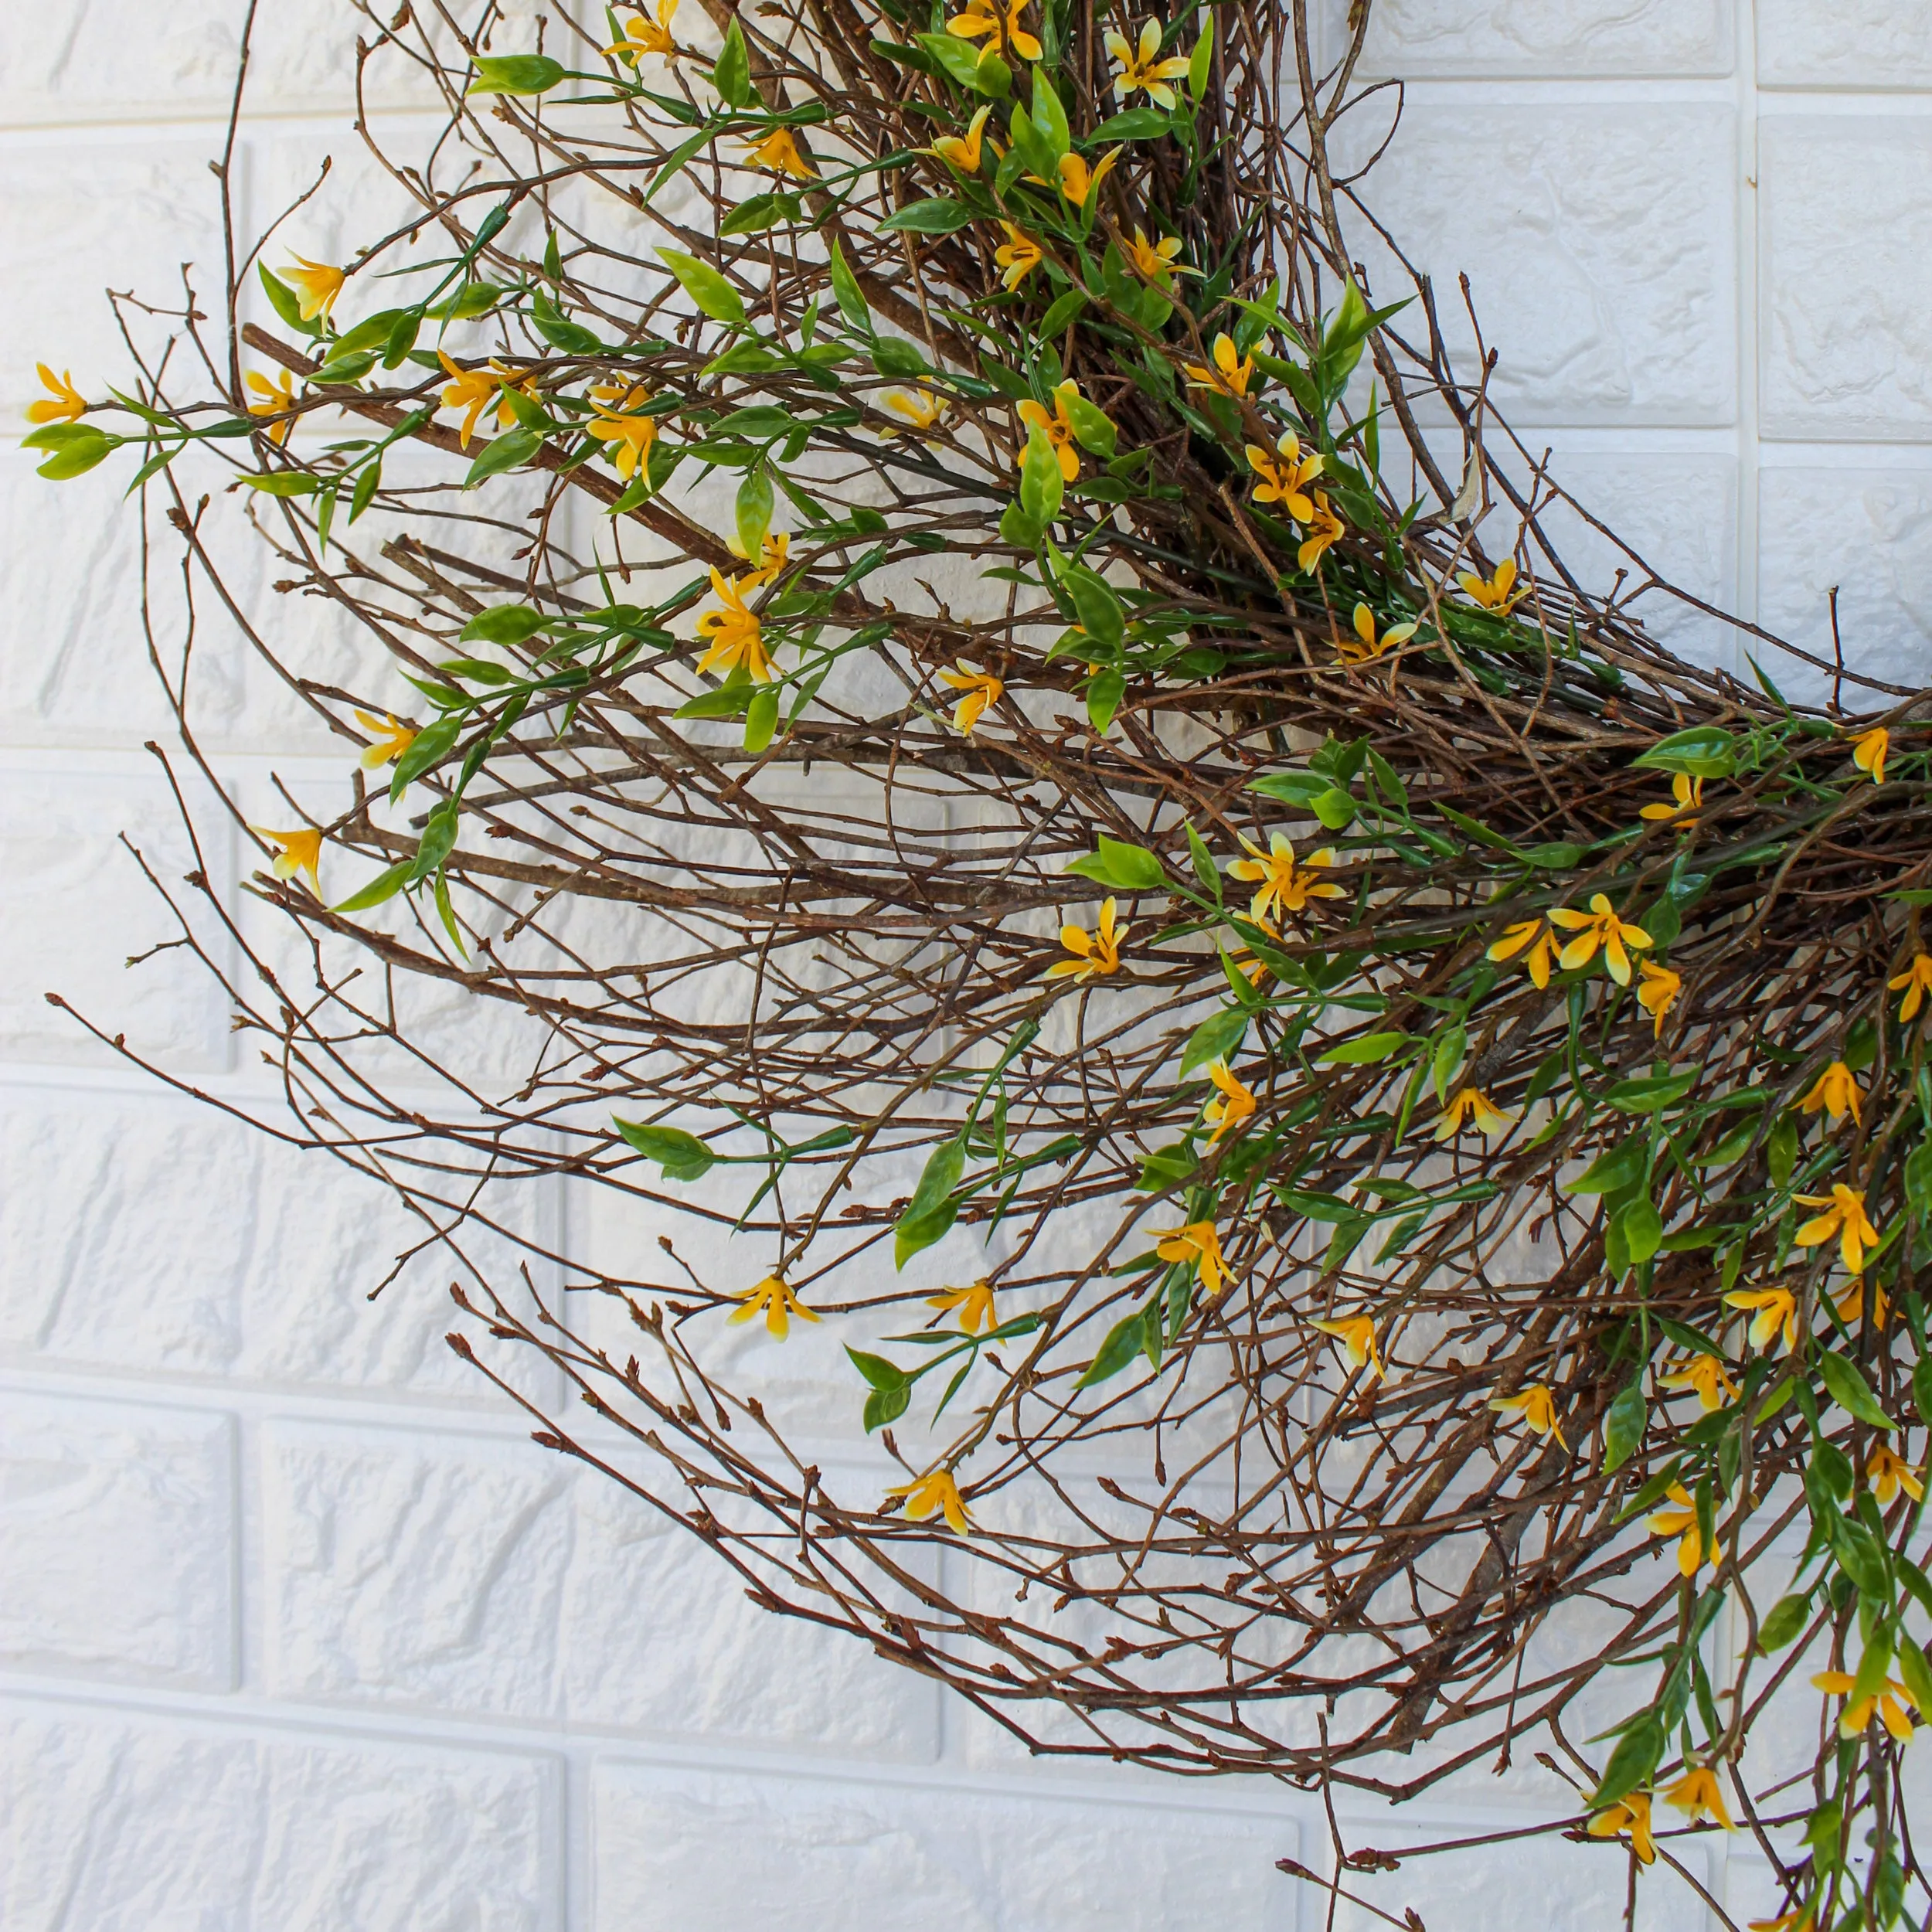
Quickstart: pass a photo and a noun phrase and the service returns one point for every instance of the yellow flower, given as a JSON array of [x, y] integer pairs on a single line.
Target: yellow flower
[[1685, 792], [277, 399], [1231, 373], [1845, 1217], [1154, 261], [975, 1305], [1284, 886], [317, 285], [618, 421], [1851, 1302], [302, 851], [1325, 531], [772, 554], [981, 688], [1233, 1106], [1285, 476], [643, 35], [1836, 1091], [922, 410], [1657, 992], [1801, 1919], [779, 151], [1682, 1523], [1599, 927], [1888, 1472], [1628, 1817], [981, 18], [1915, 982], [1095, 953], [1698, 1794], [933, 1493], [1537, 1407], [964, 153], [1489, 1118], [1493, 593], [1357, 1335], [1365, 644], [1018, 255], [1888, 1703], [1255, 971], [1777, 1312], [391, 739], [1198, 1243], [69, 405], [1077, 181], [1140, 67], [1517, 937], [1707, 1375], [774, 1300], [474, 390], [1868, 753], [1058, 427], [736, 637]]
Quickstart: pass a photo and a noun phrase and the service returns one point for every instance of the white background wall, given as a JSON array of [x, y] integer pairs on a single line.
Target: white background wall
[[297, 1630]]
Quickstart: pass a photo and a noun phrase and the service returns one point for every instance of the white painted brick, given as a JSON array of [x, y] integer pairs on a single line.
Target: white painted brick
[[1599, 241], [141, 1825], [675, 1850], [1844, 304], [117, 1539], [1424, 38], [1853, 44]]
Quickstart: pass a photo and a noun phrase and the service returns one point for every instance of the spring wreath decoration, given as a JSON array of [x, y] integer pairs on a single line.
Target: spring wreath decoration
[[1359, 1134]]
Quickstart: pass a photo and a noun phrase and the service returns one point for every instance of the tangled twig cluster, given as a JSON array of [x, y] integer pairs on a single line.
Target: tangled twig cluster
[[956, 697]]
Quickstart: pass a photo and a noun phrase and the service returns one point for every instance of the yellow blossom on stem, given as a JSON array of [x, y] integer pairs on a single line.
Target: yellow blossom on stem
[[1536, 1407], [1888, 1472], [298, 851], [772, 554], [1474, 1105], [1141, 66], [317, 284], [1845, 1217], [1915, 982], [1252, 970], [1851, 1303], [935, 1493], [1077, 181], [774, 1299], [1776, 1313], [1836, 1090], [620, 421], [1357, 1335], [644, 35], [1285, 474], [1708, 1375], [1365, 644], [980, 688], [1657, 991], [736, 638], [1017, 257], [1231, 373], [391, 739], [1233, 1106], [779, 151], [1095, 953], [1326, 531], [921, 410], [1058, 428], [963, 151], [1493, 593], [1891, 1704], [1800, 1919], [1283, 886], [999, 26], [1154, 261], [1599, 927], [473, 390], [1868, 750], [1628, 1817], [975, 1305], [1199, 1244], [1531, 936], [275, 398], [1699, 1795], [1686, 793], [1682, 1523], [67, 404]]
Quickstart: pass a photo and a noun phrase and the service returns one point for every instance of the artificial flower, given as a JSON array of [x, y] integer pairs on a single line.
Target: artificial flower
[[1519, 937], [620, 419], [1471, 1102], [67, 404], [1364, 644], [1869, 750], [1599, 927], [774, 1299], [1891, 1704], [1802, 1919], [975, 1305], [779, 151], [1698, 1794], [981, 18], [1888, 1472], [934, 1494], [473, 390], [1682, 1523], [1851, 1303], [1845, 1217], [1324, 532], [737, 638], [1915, 982], [963, 151], [1493, 593], [277, 399], [979, 689], [1233, 1105], [1058, 428], [1836, 1091], [1154, 261], [772, 554], [1685, 792], [1285, 474], [1199, 1244], [1537, 1408], [921, 411], [391, 739], [1708, 1375], [300, 851], [317, 285], [1077, 181], [1141, 66], [1357, 1335], [1231, 373], [1017, 256], [1777, 1313], [1283, 886], [1628, 1817], [645, 34], [1657, 991], [1094, 953]]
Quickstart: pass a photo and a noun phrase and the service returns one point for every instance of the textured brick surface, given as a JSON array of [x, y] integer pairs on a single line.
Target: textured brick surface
[[1857, 45], [1492, 37]]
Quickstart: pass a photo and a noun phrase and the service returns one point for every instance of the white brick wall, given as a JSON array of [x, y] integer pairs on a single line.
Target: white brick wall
[[297, 1632]]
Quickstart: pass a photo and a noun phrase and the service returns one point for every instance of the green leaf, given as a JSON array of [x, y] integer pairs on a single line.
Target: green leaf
[[957, 59], [728, 701], [1918, 1176], [1042, 486], [886, 1404], [1913, 1672], [731, 75], [937, 215], [1292, 787], [1127, 869], [1065, 309], [1636, 1756], [1637, 1230], [1019, 530], [1124, 1341], [1704, 751], [508, 451], [1166, 1167], [1649, 1096], [844, 288], [557, 330], [1104, 696], [437, 842], [876, 1370], [1365, 1050], [992, 78], [1624, 1425], [1860, 1556], [1789, 1615], [1049, 115], [681, 1156], [1215, 1039], [714, 296], [385, 884], [473, 299], [506, 624], [752, 510], [1621, 1167], [431, 746], [1333, 808], [83, 446], [761, 718], [1098, 605], [931, 1211], [276, 483], [1851, 1391], [1137, 124], [1200, 61], [1093, 427], [1922, 1388], [515, 73]]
